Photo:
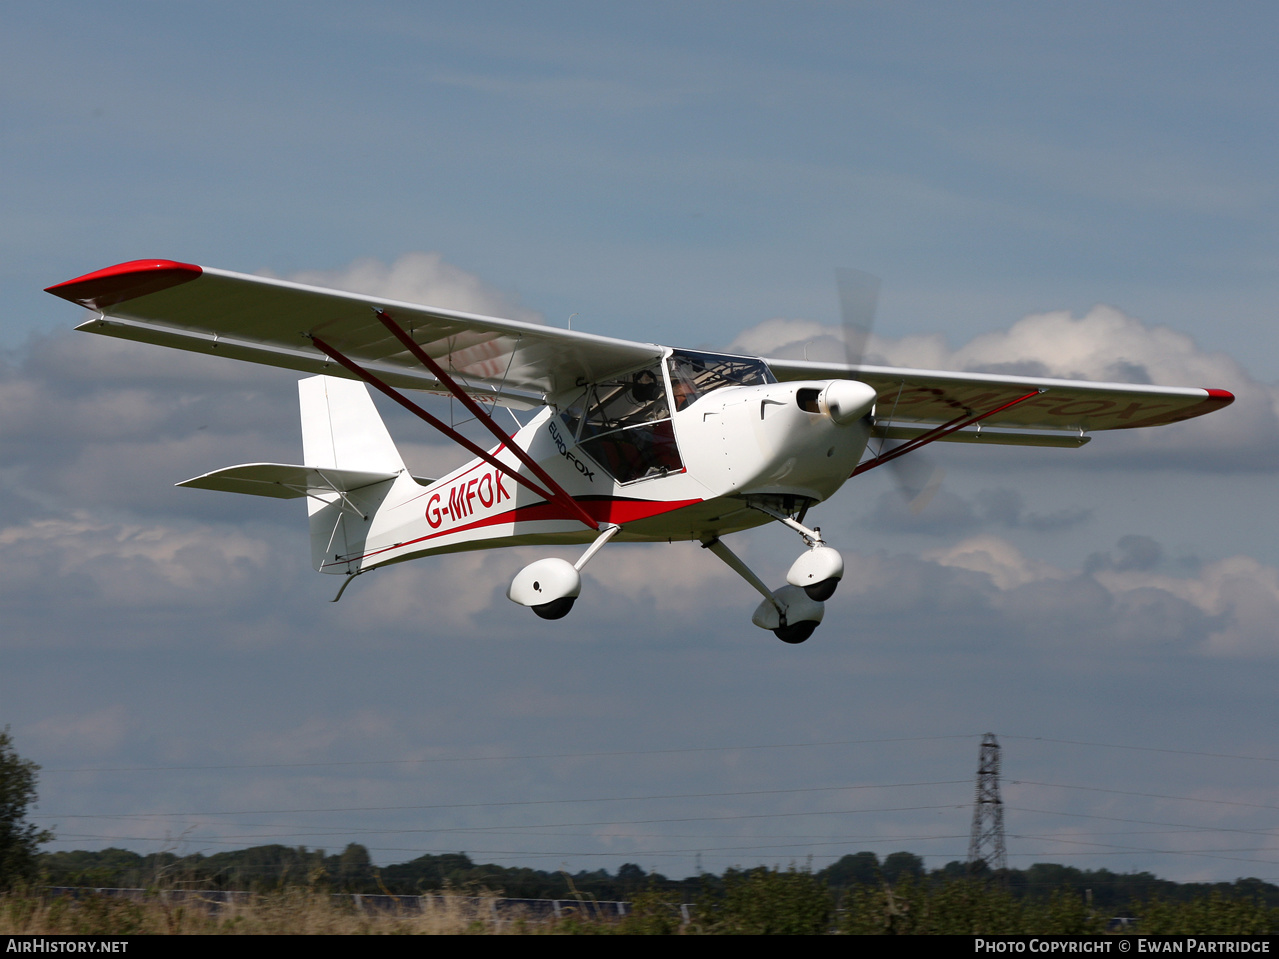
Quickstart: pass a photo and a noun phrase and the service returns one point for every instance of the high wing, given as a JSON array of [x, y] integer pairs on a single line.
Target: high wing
[[912, 403], [518, 364], [271, 321]]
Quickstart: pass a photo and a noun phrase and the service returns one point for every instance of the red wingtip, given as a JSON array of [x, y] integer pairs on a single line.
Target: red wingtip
[[125, 281], [1224, 397]]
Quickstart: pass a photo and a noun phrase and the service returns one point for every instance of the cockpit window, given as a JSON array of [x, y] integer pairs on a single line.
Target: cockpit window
[[625, 425], [693, 375]]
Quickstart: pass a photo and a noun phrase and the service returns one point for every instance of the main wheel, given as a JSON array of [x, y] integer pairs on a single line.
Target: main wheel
[[796, 633], [556, 608], [822, 591]]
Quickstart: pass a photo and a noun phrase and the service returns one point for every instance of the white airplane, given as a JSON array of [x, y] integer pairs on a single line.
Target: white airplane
[[632, 441]]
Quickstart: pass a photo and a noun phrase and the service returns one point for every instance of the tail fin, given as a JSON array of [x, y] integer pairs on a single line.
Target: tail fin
[[341, 430], [351, 467]]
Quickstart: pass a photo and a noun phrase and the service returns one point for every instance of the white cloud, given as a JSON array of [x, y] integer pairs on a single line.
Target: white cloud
[[79, 561], [1236, 599], [1006, 566], [81, 734], [669, 576], [429, 595], [1238, 592], [423, 278]]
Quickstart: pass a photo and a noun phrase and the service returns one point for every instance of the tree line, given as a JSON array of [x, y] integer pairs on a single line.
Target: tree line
[[859, 893], [262, 868]]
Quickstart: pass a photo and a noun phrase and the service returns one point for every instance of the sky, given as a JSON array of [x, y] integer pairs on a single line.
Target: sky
[[1085, 189]]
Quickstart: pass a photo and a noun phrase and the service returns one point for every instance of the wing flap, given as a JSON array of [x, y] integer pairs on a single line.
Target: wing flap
[[1057, 440]]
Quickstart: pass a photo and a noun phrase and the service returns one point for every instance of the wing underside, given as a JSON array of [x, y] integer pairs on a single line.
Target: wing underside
[[264, 320], [912, 401]]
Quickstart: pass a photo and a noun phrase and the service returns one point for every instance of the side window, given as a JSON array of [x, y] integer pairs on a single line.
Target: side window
[[624, 425], [637, 452]]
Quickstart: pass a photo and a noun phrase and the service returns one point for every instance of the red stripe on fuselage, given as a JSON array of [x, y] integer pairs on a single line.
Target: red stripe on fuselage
[[602, 509]]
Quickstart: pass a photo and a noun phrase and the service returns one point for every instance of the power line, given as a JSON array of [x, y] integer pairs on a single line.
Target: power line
[[484, 805], [1124, 792], [1270, 833], [507, 758], [1148, 749]]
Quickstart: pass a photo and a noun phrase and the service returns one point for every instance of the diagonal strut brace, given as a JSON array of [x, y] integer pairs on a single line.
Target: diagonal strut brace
[[468, 401], [967, 418], [556, 493]]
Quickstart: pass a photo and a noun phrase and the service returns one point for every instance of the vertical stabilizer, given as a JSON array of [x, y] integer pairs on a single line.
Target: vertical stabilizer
[[341, 430]]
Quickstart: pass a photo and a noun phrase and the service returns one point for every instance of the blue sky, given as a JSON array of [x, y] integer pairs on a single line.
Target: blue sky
[[678, 172]]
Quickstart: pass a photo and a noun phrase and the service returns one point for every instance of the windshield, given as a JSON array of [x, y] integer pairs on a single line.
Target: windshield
[[693, 375]]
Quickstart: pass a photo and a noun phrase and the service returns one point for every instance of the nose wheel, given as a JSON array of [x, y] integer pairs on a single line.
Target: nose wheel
[[790, 613], [793, 612], [796, 633]]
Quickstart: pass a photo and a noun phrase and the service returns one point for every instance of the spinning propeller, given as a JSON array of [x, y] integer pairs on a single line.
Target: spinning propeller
[[915, 477]]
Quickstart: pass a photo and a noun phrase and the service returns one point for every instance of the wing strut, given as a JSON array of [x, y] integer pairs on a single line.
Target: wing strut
[[967, 418], [556, 493], [561, 495]]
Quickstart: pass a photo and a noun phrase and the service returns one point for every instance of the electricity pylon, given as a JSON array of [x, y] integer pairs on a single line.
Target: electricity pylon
[[986, 851]]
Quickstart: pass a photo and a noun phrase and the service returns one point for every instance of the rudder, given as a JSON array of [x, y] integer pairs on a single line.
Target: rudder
[[341, 429]]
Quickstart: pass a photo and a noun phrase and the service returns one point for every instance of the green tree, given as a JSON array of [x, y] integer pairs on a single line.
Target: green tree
[[903, 865], [354, 868], [19, 840], [851, 870], [767, 902]]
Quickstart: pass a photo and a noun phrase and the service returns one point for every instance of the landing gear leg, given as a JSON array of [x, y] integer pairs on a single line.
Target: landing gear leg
[[789, 612], [819, 570]]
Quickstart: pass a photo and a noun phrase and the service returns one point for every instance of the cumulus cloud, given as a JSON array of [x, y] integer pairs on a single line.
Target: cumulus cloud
[[1104, 344], [1132, 595], [948, 513], [669, 576], [432, 595], [1240, 594], [423, 278], [996, 558], [134, 565], [87, 734]]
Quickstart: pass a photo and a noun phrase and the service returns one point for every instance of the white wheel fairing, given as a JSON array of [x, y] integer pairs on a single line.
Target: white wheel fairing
[[818, 566], [545, 582]]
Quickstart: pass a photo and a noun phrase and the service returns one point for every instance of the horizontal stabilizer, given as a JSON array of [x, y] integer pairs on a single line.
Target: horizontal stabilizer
[[286, 482]]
